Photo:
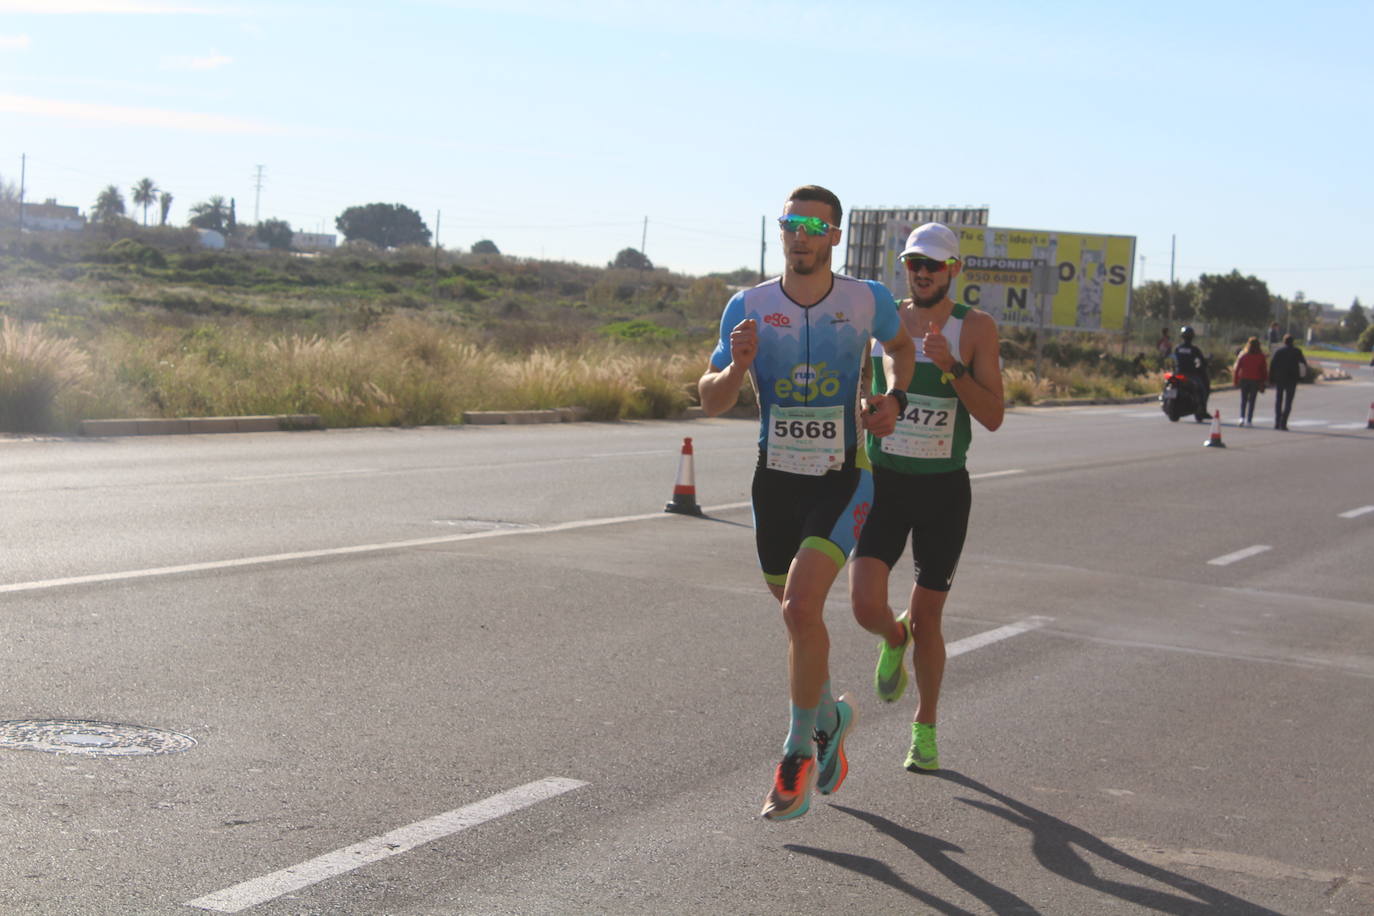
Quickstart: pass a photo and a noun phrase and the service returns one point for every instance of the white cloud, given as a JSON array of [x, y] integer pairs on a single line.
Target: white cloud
[[213, 61], [196, 122], [14, 42], [69, 7]]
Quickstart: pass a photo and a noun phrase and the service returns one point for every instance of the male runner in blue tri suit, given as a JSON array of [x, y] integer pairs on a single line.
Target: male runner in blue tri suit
[[803, 340]]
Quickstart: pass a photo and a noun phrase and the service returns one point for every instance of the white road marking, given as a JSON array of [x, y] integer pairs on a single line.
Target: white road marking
[[1239, 555], [986, 474], [1356, 513], [1364, 425], [1309, 422], [979, 640], [335, 551], [331, 864]]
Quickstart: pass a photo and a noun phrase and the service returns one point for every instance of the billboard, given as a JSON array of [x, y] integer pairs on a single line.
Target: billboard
[[866, 239], [1094, 274]]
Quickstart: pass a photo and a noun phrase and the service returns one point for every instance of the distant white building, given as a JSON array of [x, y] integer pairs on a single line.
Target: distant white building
[[50, 216], [209, 238], [313, 241]]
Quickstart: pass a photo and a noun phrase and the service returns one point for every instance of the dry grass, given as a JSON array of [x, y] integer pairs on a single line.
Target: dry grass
[[37, 370], [405, 371]]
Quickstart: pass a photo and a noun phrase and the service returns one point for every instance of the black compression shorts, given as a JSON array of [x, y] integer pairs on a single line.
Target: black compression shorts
[[933, 509], [792, 511]]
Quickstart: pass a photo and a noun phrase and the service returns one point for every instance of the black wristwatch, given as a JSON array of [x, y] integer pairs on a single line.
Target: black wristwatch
[[900, 396], [956, 371]]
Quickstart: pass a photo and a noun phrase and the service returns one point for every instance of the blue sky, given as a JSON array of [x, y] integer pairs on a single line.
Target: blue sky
[[555, 129]]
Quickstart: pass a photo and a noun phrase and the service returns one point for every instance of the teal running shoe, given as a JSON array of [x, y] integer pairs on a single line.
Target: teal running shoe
[[923, 756], [832, 766], [889, 678]]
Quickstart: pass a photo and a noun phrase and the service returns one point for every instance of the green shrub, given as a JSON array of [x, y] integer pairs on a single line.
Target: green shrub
[[128, 251]]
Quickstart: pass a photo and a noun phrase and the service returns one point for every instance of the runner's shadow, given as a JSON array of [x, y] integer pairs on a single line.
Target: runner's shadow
[[936, 853], [1058, 846], [881, 871]]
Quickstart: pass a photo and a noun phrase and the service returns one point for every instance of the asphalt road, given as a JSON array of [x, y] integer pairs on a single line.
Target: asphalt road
[[478, 670]]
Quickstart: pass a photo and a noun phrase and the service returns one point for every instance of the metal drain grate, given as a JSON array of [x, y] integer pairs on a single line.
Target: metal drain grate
[[90, 739]]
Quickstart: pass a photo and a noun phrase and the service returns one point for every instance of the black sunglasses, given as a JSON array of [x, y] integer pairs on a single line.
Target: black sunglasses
[[916, 262]]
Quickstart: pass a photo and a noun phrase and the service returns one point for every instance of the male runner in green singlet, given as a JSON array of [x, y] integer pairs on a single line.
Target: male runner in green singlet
[[921, 486], [804, 341]]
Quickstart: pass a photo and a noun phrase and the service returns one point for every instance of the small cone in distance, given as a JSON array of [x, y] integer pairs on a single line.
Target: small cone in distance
[[1214, 440], [684, 501], [1370, 424]]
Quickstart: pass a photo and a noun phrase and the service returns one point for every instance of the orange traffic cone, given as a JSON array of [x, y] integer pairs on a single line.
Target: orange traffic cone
[[1370, 424], [1214, 440], [684, 500]]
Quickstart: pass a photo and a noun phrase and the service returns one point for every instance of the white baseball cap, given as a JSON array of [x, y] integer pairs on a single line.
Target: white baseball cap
[[934, 240]]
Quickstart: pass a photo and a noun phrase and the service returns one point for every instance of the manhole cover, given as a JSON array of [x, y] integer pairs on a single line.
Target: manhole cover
[[90, 739]]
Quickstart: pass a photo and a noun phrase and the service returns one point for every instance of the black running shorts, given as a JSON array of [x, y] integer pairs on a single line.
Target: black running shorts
[[792, 511], [933, 509]]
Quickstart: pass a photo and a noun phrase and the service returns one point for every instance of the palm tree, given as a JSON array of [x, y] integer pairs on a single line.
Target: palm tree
[[144, 193], [109, 206], [165, 201]]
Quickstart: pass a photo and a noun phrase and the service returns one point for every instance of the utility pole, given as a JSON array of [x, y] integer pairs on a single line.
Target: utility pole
[[434, 287], [644, 258], [1173, 240], [763, 245], [23, 171], [257, 196]]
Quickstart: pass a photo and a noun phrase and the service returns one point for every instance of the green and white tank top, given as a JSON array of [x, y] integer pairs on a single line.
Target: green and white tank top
[[933, 436]]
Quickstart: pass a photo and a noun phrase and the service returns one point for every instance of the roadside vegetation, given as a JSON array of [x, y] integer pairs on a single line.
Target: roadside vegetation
[[150, 324]]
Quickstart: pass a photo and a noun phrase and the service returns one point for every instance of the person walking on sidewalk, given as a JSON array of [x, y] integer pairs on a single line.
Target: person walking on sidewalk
[[1286, 366], [1249, 374], [921, 484], [803, 341]]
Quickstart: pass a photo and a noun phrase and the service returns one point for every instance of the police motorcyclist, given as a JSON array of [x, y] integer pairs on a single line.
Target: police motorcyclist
[[1191, 362]]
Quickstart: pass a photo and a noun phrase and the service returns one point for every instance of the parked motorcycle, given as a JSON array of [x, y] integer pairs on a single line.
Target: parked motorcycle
[[1181, 397]]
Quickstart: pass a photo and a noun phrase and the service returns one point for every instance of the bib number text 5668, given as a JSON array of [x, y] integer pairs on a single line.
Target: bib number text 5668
[[798, 429]]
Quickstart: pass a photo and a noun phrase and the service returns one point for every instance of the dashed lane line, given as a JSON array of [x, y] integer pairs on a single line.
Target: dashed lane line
[[1239, 555], [331, 864], [979, 640], [1356, 513]]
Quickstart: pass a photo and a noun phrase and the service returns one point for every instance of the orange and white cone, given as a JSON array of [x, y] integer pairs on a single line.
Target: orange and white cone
[[1214, 440], [1370, 424], [684, 501]]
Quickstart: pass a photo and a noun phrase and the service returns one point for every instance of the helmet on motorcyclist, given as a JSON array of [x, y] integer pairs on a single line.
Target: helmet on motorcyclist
[[1186, 332]]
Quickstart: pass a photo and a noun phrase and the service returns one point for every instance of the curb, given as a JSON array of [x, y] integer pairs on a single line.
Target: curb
[[516, 417], [188, 425]]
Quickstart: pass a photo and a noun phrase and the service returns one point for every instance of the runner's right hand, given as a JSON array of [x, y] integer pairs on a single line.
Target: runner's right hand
[[744, 343]]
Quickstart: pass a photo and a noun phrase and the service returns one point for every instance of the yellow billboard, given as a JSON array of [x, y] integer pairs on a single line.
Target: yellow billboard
[[1094, 274]]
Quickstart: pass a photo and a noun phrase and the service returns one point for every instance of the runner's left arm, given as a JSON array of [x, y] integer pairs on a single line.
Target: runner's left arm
[[980, 389]]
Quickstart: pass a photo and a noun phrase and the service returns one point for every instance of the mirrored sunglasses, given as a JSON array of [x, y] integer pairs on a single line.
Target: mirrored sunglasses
[[812, 225]]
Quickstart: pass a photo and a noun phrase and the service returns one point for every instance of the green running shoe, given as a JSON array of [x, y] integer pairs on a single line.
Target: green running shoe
[[889, 678], [832, 766], [923, 756]]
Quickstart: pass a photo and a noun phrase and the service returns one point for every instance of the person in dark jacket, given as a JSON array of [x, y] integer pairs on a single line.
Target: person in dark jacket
[[1286, 366], [1192, 362]]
